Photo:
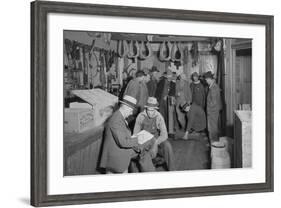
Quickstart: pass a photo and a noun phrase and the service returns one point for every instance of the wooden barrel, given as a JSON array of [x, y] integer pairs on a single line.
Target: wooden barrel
[[219, 156]]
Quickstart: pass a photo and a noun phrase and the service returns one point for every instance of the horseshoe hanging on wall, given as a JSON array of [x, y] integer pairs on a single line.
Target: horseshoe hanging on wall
[[133, 50], [176, 53], [165, 51], [122, 48], [145, 50]]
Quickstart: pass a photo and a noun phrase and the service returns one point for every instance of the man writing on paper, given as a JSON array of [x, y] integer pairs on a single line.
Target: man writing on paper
[[152, 121], [119, 147]]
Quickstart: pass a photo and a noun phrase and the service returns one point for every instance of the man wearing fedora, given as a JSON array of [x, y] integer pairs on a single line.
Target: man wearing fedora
[[152, 121], [137, 88], [214, 106], [119, 146], [161, 95], [152, 83]]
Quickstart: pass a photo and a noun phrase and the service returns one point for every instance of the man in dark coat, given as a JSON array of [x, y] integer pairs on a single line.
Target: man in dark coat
[[214, 106], [161, 95], [137, 88], [183, 95], [196, 119], [119, 147], [152, 83]]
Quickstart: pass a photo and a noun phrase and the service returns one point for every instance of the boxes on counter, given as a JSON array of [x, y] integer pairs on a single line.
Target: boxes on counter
[[78, 120], [98, 98], [99, 102]]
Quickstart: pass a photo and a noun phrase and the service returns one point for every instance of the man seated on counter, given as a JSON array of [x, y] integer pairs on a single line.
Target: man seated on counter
[[119, 146], [153, 122]]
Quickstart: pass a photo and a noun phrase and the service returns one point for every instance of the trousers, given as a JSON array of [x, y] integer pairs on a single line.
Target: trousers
[[146, 164], [165, 151], [141, 164], [213, 123], [181, 117]]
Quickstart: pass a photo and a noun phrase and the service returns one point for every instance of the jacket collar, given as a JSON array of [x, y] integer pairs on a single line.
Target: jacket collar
[[123, 118], [213, 84]]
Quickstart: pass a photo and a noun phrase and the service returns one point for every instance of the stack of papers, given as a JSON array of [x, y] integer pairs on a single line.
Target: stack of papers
[[143, 136]]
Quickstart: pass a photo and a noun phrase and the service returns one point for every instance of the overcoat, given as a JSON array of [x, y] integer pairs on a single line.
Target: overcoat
[[118, 144], [183, 92], [138, 90], [214, 103], [151, 87]]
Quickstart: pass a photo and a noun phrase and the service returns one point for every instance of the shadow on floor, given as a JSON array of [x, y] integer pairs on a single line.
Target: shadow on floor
[[191, 154]]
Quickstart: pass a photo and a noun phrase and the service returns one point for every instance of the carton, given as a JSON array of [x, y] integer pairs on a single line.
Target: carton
[[98, 107], [78, 120]]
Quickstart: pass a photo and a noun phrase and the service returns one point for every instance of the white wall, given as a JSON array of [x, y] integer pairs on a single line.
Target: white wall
[[15, 113]]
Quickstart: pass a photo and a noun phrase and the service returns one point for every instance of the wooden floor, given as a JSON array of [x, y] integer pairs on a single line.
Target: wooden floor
[[191, 154]]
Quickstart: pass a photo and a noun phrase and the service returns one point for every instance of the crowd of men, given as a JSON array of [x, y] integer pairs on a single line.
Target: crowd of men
[[144, 107]]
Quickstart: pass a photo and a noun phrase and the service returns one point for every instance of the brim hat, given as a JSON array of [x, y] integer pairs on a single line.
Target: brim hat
[[140, 73], [154, 69], [209, 74], [152, 103], [129, 101]]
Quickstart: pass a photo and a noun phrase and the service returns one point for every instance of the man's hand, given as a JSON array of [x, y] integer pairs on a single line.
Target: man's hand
[[138, 148], [145, 147], [149, 144], [185, 109]]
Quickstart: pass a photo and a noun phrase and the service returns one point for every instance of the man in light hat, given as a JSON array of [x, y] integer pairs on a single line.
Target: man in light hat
[[214, 106], [152, 121], [119, 146]]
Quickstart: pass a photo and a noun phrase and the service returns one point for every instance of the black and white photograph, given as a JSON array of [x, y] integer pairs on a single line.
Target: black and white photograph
[[140, 104], [136, 103], [143, 103]]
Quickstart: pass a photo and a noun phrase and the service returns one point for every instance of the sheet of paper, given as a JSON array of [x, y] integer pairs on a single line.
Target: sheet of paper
[[144, 136]]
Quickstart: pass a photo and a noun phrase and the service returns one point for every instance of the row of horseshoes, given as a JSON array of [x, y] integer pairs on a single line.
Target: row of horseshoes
[[168, 51]]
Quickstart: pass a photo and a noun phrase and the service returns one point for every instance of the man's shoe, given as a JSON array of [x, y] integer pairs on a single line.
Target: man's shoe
[[185, 137]]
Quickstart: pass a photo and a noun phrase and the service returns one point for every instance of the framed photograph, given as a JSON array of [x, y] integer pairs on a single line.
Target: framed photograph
[[132, 103]]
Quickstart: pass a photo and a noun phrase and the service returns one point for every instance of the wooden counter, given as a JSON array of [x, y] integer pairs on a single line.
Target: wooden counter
[[82, 151], [243, 139]]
